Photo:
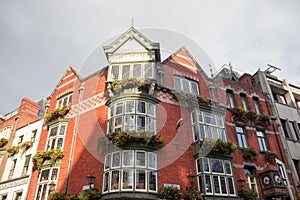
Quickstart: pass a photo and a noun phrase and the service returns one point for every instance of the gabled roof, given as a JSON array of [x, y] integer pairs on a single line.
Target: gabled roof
[[131, 34], [183, 57], [70, 68]]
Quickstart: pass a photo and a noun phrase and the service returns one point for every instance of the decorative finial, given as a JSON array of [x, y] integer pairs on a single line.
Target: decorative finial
[[132, 20], [211, 70]]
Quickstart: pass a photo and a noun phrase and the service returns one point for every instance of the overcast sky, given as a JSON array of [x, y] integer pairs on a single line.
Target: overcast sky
[[40, 39]]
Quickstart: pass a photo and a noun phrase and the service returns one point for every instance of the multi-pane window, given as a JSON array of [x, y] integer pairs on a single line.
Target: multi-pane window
[[18, 195], [132, 115], [241, 136], [56, 137], [12, 169], [282, 171], [293, 130], [186, 85], [33, 135], [130, 170], [20, 139], [64, 100], [207, 125], [5, 132], [46, 177], [261, 140], [256, 105], [244, 101], [215, 176], [230, 98], [137, 70], [250, 178], [26, 165]]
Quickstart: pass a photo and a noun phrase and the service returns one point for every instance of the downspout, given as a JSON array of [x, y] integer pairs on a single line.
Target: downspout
[[73, 138]]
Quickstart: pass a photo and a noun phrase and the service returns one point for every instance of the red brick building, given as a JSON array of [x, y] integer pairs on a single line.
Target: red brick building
[[141, 124]]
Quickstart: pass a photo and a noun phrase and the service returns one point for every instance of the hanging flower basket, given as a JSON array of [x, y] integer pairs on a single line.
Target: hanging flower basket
[[57, 113], [3, 142], [27, 145], [12, 150]]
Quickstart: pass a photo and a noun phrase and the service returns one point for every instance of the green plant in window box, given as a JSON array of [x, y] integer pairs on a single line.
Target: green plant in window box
[[72, 197], [250, 154], [204, 101], [57, 196], [248, 194], [192, 194], [270, 156], [221, 146], [92, 194], [27, 145], [169, 193], [57, 113], [238, 111], [3, 142], [264, 118], [123, 138], [251, 115], [53, 156], [12, 150], [119, 85]]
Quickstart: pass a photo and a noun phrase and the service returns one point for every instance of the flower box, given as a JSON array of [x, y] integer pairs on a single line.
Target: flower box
[[12, 150], [57, 113], [52, 156]]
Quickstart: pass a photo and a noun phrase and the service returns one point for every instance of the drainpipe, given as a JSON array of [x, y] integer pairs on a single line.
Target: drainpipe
[[73, 138]]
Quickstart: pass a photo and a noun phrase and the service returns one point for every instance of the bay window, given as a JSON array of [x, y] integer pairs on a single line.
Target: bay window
[[130, 170], [64, 100], [215, 176], [128, 70], [45, 177], [132, 115], [207, 125]]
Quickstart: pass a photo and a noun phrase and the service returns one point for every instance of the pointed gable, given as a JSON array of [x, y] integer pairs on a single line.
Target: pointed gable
[[66, 83], [130, 42]]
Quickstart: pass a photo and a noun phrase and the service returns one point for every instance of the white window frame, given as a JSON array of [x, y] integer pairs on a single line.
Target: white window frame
[[134, 167], [201, 128], [149, 117], [142, 75], [45, 183], [262, 142], [60, 101], [243, 143], [201, 176], [181, 85], [56, 137]]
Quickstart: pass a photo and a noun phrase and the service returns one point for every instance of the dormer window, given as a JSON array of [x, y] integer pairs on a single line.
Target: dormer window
[[129, 70], [64, 100], [186, 85]]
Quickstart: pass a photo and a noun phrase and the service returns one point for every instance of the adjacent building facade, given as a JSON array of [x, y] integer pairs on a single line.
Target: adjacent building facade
[[141, 124]]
